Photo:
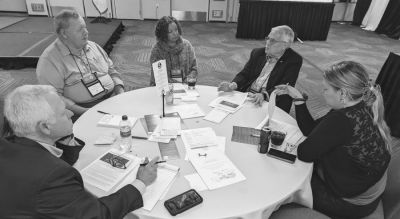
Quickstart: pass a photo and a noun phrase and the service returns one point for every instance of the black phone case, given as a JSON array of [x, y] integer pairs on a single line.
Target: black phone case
[[291, 158], [183, 202]]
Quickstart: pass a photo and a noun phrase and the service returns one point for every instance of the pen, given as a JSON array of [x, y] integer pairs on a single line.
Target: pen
[[144, 164], [102, 112], [139, 137]]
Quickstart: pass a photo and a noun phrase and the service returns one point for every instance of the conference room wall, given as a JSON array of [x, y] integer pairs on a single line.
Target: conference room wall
[[13, 5]]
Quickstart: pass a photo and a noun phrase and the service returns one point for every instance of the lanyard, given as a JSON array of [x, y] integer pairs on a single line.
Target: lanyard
[[87, 60]]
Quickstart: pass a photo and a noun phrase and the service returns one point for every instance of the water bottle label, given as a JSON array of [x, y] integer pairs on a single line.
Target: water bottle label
[[125, 133]]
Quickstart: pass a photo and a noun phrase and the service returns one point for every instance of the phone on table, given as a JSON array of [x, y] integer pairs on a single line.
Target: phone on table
[[183, 202], [291, 158]]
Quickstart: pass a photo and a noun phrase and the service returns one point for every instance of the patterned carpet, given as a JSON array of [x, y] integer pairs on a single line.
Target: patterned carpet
[[220, 56]]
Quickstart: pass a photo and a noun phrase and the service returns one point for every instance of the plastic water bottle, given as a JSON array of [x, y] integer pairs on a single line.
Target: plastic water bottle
[[125, 133]]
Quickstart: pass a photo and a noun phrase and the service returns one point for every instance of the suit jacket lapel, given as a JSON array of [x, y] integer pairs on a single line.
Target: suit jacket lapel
[[277, 71]]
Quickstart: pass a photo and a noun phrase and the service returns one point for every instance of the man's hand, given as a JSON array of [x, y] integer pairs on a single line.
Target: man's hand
[[118, 90], [148, 173], [227, 87], [257, 98]]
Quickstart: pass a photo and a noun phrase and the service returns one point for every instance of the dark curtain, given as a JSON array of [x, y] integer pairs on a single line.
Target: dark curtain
[[360, 10], [311, 21], [390, 22], [389, 80]]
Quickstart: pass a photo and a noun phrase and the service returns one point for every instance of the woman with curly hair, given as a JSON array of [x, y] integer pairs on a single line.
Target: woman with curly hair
[[177, 51], [350, 145]]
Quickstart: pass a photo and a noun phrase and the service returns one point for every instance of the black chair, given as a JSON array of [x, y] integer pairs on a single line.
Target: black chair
[[389, 80]]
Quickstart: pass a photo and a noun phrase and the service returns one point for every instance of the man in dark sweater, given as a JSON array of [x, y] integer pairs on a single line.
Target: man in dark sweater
[[267, 67], [35, 180]]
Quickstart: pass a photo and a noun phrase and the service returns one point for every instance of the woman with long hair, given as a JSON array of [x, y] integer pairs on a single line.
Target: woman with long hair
[[350, 145]]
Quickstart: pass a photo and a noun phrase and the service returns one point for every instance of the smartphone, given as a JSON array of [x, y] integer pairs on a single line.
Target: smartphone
[[291, 158], [183, 202]]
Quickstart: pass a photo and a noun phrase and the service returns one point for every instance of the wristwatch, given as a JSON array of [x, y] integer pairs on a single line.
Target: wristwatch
[[304, 98]]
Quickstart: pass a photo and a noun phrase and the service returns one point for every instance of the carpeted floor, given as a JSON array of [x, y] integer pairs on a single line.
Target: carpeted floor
[[220, 56]]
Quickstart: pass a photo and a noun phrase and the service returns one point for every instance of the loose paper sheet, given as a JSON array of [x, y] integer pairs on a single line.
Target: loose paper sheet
[[216, 115], [216, 169], [201, 137], [230, 102], [196, 182]]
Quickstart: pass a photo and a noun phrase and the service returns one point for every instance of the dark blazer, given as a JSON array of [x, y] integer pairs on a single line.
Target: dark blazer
[[286, 70], [36, 184]]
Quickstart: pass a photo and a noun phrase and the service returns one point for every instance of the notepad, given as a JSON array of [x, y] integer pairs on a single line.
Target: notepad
[[166, 173]]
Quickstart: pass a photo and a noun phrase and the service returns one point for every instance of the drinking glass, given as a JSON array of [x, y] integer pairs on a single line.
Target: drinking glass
[[191, 81], [277, 138]]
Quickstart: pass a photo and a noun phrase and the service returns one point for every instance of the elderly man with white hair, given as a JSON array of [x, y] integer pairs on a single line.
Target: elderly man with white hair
[[272, 65], [35, 182], [79, 69]]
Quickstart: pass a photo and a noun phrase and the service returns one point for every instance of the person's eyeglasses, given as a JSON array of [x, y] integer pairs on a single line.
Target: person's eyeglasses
[[273, 41]]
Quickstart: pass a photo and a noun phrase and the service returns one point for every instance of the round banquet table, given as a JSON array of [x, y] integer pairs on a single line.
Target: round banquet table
[[269, 182]]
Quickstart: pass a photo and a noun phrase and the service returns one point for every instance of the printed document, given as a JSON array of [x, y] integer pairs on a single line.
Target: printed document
[[103, 175], [230, 101], [201, 137], [216, 169]]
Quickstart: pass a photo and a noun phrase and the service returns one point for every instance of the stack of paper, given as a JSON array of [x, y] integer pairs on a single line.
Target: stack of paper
[[113, 121], [196, 138], [230, 102], [169, 127], [103, 175], [216, 169]]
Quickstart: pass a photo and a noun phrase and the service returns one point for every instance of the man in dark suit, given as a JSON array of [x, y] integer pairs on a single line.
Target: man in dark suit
[[35, 181], [267, 67]]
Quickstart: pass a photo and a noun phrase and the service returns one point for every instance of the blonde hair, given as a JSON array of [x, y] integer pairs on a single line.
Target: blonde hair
[[25, 106], [353, 79]]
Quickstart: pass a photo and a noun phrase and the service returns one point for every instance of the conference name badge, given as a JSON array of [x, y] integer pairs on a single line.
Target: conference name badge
[[93, 84]]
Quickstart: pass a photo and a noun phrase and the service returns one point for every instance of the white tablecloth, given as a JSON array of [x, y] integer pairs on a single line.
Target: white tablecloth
[[269, 182]]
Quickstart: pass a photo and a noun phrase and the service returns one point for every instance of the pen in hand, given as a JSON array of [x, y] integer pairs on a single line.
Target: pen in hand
[[144, 164]]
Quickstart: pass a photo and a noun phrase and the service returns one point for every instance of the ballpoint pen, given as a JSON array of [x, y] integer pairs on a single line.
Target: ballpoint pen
[[139, 137], [102, 112], [161, 161]]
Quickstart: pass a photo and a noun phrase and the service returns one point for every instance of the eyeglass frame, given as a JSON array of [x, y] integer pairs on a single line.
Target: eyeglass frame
[[273, 41]]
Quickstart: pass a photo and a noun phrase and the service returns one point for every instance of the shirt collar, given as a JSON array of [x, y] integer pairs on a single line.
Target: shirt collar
[[64, 49], [52, 149]]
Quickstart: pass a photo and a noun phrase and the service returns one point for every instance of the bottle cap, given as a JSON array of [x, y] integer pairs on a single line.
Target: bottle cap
[[124, 117]]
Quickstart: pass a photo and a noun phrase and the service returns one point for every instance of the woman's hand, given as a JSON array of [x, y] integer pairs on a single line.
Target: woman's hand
[[289, 90]]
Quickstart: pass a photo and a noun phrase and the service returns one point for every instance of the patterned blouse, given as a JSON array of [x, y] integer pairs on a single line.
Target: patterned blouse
[[346, 145]]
